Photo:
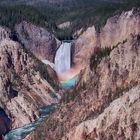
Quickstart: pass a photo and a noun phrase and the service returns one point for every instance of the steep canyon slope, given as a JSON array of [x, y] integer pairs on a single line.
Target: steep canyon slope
[[25, 82], [38, 40]]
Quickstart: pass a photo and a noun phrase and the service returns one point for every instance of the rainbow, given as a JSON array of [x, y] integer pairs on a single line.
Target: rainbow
[[69, 78]]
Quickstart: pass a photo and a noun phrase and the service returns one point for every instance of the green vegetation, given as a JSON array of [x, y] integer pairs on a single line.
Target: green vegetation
[[43, 69], [99, 55], [81, 15], [9, 16], [70, 95]]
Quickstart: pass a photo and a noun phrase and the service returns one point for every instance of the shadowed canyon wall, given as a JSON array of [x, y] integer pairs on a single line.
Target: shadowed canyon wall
[[25, 82]]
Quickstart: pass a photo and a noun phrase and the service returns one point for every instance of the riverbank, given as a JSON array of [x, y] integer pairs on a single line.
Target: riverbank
[[21, 133]]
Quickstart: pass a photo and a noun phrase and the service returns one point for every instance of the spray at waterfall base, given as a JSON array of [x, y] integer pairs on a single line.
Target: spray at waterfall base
[[69, 78]]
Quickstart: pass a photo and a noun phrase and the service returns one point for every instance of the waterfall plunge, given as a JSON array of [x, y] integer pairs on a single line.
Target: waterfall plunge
[[63, 58], [62, 65]]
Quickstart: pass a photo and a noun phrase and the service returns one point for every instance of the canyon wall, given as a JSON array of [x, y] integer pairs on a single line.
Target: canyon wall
[[25, 82], [117, 29], [38, 40]]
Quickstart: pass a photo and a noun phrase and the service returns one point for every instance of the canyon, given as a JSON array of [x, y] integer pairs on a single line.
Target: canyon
[[28, 84], [81, 89], [104, 103]]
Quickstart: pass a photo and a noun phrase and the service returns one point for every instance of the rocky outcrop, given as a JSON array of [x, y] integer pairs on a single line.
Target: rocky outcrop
[[64, 25], [25, 83], [38, 40], [84, 46], [4, 33], [104, 104], [119, 121], [5, 123], [117, 29]]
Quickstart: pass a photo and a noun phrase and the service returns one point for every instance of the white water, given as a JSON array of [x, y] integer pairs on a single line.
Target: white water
[[21, 133], [63, 58]]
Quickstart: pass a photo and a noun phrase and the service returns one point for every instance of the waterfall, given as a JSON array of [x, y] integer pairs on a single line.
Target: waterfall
[[63, 66], [63, 58]]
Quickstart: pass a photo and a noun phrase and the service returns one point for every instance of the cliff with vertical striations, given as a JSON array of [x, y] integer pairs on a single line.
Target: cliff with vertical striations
[[25, 83], [38, 40]]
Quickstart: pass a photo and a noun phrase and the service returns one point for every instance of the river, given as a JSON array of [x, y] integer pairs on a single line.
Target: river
[[21, 133]]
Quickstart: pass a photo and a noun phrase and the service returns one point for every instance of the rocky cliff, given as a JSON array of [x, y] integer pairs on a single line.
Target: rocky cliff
[[117, 29], [105, 103], [25, 83], [38, 40], [4, 33], [119, 121]]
